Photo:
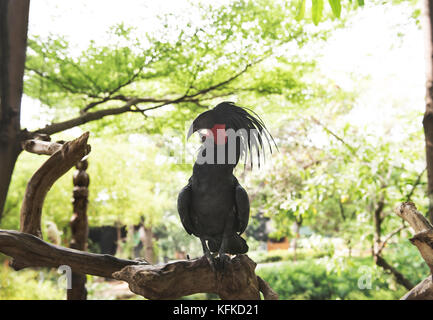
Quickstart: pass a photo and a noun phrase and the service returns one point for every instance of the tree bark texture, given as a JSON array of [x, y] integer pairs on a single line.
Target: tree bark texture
[[13, 42], [30, 251], [427, 18], [149, 254], [423, 240], [41, 147], [186, 277], [79, 227], [42, 180], [167, 281]]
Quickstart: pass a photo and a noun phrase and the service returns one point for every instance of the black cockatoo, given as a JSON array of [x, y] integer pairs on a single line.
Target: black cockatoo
[[213, 206]]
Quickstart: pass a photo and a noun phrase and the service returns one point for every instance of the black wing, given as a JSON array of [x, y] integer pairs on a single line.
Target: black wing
[[183, 207], [242, 207]]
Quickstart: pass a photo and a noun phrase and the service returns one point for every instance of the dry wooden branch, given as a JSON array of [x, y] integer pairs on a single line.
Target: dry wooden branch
[[407, 211], [423, 240], [29, 251], [57, 165], [186, 277], [422, 291], [265, 288], [41, 147], [167, 281]]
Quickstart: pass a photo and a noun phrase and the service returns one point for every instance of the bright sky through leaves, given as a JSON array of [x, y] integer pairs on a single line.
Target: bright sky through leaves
[[380, 44]]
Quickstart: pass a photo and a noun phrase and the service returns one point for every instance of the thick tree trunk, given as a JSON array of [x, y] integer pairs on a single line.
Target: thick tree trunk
[[427, 18], [9, 151], [13, 42], [79, 227]]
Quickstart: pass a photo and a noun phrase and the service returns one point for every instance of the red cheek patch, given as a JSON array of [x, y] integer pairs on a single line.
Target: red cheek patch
[[219, 133]]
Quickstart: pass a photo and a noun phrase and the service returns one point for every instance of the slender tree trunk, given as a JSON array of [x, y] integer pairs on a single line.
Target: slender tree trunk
[[298, 224], [343, 216], [349, 247], [13, 41], [149, 254], [79, 227], [377, 222], [427, 18]]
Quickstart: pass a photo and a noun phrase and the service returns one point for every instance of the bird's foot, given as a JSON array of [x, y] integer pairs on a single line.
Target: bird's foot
[[212, 261], [222, 262]]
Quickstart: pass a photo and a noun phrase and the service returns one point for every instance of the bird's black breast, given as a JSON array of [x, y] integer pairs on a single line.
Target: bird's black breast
[[213, 198]]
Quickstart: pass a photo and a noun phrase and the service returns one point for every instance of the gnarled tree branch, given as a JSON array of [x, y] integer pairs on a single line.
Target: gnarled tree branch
[[186, 277], [41, 147], [133, 101], [167, 281], [29, 251], [423, 240], [57, 165]]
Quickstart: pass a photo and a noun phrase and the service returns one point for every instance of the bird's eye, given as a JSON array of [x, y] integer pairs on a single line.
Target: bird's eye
[[203, 132]]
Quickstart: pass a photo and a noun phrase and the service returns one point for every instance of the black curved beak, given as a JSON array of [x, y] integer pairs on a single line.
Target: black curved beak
[[191, 131]]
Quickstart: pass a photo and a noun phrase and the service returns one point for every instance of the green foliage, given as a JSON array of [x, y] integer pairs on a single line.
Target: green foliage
[[336, 185], [329, 173], [300, 12], [26, 165], [285, 255], [127, 183], [236, 51], [171, 238], [29, 285], [336, 7], [317, 10], [400, 253], [314, 280]]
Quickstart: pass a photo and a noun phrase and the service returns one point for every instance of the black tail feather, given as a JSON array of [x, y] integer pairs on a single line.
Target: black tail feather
[[236, 245]]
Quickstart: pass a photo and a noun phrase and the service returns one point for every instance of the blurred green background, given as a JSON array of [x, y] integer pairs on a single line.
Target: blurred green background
[[343, 98]]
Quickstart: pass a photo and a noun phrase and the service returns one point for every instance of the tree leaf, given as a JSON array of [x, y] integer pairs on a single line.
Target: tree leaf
[[316, 11], [300, 11], [336, 7], [361, 3]]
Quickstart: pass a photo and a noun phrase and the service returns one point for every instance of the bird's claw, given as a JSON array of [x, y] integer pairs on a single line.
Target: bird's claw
[[219, 264], [222, 262], [212, 261]]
